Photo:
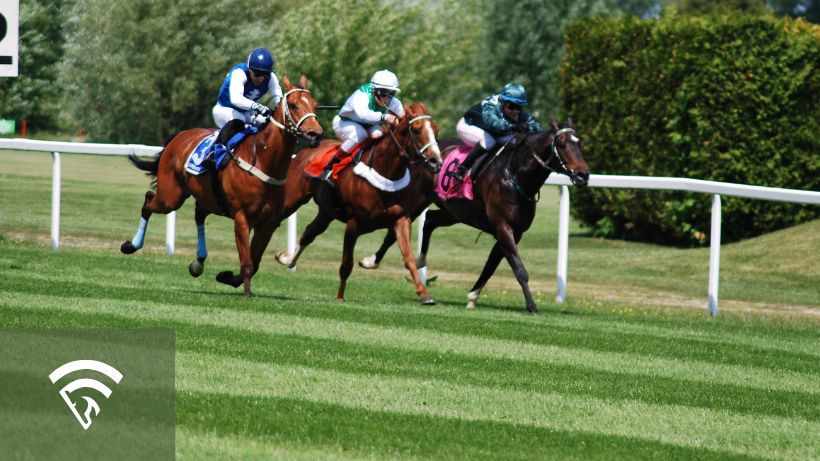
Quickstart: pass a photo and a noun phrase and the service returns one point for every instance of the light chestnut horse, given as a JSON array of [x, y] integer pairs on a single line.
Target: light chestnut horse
[[250, 189], [361, 206]]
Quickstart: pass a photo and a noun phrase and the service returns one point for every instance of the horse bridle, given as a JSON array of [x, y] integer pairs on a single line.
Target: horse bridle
[[292, 127], [554, 153], [418, 155]]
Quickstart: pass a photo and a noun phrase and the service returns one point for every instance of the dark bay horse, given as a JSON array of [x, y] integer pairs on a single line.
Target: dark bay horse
[[361, 206], [504, 203], [249, 190]]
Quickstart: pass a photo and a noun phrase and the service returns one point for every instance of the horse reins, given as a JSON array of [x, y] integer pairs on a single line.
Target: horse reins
[[292, 129], [546, 163], [419, 154]]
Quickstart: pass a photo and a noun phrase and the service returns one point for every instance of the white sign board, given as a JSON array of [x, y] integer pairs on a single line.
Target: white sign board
[[9, 36]]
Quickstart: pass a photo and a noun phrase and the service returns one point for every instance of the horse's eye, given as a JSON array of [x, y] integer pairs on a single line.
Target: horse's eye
[[291, 106]]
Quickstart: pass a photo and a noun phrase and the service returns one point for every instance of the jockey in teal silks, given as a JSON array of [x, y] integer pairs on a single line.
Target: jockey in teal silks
[[364, 112], [494, 120]]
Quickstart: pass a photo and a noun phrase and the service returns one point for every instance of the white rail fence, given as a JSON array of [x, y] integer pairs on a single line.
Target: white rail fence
[[629, 182]]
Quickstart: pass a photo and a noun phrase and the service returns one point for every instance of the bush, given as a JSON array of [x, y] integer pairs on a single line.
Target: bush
[[732, 98]]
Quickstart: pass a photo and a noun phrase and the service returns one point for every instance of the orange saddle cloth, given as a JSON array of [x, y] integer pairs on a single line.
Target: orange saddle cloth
[[317, 166]]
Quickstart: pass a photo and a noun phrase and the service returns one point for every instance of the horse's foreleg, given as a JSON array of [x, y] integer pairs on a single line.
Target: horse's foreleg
[[316, 227], [434, 220], [351, 235], [373, 261], [402, 231], [242, 235], [262, 234], [509, 244], [489, 269], [198, 265]]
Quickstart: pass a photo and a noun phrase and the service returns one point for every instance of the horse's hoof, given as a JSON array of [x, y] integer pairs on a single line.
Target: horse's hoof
[[369, 262], [472, 297], [228, 278], [428, 300], [284, 259], [532, 309], [128, 248], [195, 268]]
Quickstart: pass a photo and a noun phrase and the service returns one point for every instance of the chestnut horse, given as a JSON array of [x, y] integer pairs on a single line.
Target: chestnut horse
[[505, 196], [360, 205], [249, 190]]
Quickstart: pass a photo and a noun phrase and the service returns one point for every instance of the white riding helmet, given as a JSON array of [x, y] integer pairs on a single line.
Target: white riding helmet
[[386, 80]]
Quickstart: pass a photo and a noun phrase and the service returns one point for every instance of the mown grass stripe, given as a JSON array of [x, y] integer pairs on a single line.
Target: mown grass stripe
[[777, 438], [568, 330], [282, 421], [192, 445], [127, 283], [454, 368], [639, 365]]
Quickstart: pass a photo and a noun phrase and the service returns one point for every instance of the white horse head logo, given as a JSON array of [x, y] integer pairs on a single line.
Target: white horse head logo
[[70, 367]]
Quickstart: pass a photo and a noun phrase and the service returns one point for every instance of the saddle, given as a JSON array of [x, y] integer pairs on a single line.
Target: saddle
[[212, 155], [316, 167]]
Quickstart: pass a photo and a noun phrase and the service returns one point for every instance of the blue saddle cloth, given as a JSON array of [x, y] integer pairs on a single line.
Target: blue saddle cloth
[[219, 153]]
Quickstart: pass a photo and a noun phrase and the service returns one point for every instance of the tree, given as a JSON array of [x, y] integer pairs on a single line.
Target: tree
[[340, 44], [142, 70], [34, 94], [525, 40]]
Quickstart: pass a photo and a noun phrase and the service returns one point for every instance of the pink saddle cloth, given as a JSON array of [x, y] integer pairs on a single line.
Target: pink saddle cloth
[[447, 186]]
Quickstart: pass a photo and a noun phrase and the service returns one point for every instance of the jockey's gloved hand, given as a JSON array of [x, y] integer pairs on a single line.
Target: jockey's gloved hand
[[260, 109], [391, 119], [521, 127]]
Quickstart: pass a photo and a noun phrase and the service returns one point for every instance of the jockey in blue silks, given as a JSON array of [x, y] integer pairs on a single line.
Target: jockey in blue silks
[[244, 85], [362, 115], [494, 120]]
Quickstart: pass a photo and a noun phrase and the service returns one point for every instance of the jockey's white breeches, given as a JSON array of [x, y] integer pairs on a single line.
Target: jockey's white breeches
[[472, 135], [352, 133]]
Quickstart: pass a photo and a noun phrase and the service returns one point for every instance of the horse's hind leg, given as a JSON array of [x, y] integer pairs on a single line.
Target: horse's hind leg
[[164, 201], [198, 265], [316, 227], [496, 254], [373, 261], [351, 235], [402, 229]]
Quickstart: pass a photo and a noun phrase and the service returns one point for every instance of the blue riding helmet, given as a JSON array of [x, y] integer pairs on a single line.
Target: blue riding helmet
[[261, 60], [515, 93]]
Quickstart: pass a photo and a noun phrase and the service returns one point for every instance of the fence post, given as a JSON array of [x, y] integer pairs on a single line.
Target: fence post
[[55, 202], [563, 245], [292, 237], [170, 232], [714, 256], [422, 270]]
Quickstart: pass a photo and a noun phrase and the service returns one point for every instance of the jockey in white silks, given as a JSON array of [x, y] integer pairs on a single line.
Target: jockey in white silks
[[362, 115]]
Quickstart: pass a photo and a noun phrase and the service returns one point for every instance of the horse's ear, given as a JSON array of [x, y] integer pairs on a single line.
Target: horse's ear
[[303, 81], [286, 82], [553, 124], [569, 122]]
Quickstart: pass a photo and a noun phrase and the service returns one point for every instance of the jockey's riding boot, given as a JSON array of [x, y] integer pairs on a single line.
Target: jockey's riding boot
[[464, 168], [328, 172]]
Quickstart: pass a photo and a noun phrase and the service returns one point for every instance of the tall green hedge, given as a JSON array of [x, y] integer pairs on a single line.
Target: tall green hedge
[[732, 98]]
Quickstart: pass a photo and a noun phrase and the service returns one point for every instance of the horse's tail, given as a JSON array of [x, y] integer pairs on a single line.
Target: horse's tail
[[149, 166]]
